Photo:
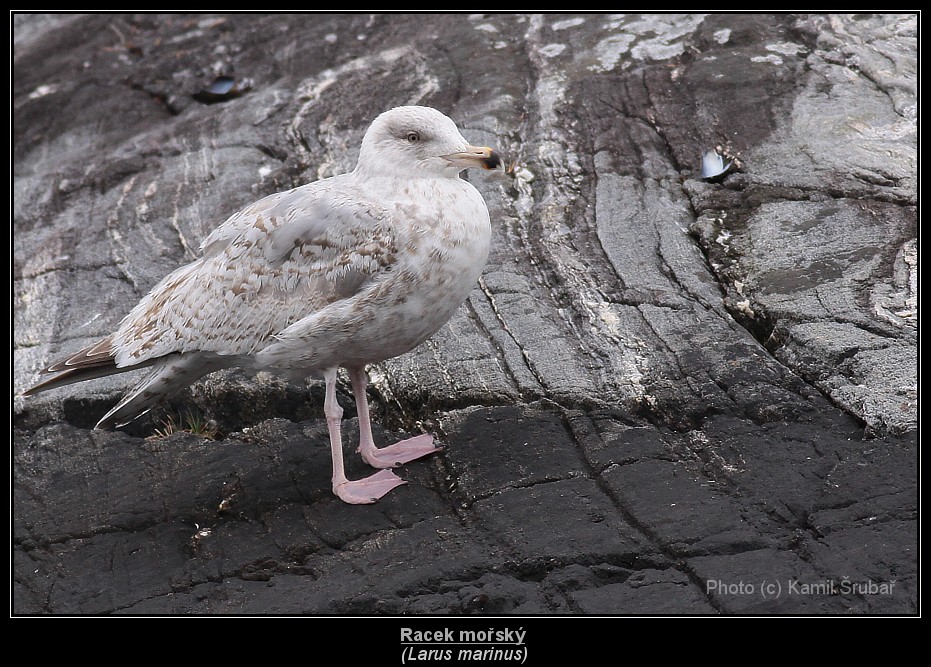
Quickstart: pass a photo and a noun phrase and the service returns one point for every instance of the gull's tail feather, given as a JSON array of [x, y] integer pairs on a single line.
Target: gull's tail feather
[[171, 373], [94, 361]]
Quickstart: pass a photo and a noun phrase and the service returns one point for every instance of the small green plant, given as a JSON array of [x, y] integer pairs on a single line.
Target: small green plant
[[190, 422]]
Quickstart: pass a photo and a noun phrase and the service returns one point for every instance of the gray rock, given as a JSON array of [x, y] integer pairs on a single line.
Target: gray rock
[[663, 390]]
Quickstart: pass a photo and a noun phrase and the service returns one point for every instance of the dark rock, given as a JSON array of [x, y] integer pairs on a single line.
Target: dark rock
[[664, 396], [645, 592]]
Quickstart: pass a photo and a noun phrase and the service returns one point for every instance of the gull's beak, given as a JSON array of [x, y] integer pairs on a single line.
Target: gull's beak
[[475, 156]]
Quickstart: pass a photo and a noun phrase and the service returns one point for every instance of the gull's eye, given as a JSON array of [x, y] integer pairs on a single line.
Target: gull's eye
[[413, 137]]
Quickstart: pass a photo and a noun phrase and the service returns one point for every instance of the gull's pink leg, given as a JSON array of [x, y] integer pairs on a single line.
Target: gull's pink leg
[[359, 492], [393, 455]]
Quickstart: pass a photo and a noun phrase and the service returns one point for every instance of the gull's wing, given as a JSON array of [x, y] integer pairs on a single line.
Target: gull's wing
[[270, 265]]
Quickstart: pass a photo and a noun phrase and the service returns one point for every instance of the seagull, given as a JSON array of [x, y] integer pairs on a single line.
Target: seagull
[[338, 273]]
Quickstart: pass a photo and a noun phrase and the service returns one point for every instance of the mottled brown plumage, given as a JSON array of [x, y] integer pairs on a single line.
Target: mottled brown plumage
[[341, 272]]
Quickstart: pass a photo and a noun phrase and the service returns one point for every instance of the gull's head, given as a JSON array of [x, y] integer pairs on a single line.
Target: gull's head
[[419, 141]]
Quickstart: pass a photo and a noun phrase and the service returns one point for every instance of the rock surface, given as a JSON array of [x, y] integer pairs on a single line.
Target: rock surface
[[663, 394]]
